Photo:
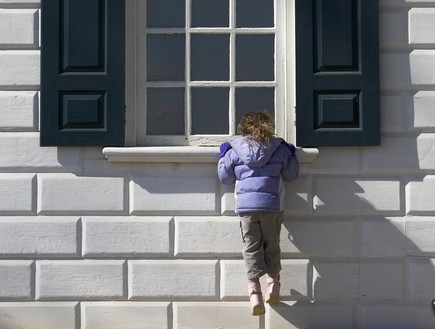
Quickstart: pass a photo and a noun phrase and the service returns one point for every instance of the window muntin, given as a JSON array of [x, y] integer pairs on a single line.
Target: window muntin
[[194, 82]]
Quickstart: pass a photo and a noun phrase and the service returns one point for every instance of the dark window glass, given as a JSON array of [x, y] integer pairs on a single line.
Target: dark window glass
[[255, 13], [255, 57], [210, 13], [165, 113], [210, 110], [165, 13], [251, 99], [210, 57], [165, 57]]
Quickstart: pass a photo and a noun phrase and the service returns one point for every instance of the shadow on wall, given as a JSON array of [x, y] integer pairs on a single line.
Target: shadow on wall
[[363, 269]]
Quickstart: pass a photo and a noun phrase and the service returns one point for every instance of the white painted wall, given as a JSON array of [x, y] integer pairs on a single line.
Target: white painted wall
[[85, 243]]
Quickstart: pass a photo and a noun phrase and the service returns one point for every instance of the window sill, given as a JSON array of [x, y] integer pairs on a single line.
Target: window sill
[[188, 154]]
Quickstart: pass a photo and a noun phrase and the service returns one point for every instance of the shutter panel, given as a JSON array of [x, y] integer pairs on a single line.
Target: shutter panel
[[82, 72], [337, 72]]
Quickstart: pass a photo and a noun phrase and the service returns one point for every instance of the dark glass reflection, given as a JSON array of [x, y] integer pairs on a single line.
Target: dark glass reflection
[[255, 57], [165, 111], [251, 99], [210, 112], [165, 57], [165, 13], [255, 13], [210, 13], [210, 57]]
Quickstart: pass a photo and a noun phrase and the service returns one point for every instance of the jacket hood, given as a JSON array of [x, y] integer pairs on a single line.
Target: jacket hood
[[254, 154]]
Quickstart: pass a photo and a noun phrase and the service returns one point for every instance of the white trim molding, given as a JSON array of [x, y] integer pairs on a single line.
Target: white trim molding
[[187, 154]]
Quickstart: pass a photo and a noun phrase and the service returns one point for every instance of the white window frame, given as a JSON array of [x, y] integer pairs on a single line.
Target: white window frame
[[283, 83]]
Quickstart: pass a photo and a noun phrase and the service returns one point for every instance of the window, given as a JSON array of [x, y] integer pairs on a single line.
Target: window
[[200, 65], [187, 70]]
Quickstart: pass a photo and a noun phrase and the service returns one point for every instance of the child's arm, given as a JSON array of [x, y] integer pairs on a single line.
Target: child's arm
[[226, 168]]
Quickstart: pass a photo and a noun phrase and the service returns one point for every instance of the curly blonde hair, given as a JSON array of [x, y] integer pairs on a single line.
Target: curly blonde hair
[[257, 125]]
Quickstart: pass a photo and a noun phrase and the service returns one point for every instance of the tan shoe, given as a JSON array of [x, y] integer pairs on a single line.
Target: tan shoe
[[272, 293], [257, 306]]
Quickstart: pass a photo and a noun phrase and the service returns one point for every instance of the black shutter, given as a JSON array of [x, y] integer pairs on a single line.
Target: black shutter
[[82, 72], [337, 72]]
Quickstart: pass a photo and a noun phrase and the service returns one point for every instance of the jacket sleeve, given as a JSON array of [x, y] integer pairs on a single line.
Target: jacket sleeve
[[226, 169], [290, 168]]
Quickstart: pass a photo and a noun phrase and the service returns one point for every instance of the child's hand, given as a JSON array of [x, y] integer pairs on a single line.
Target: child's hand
[[223, 149], [292, 148]]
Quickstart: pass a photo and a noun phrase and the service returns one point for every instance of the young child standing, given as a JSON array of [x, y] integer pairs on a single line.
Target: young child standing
[[258, 162]]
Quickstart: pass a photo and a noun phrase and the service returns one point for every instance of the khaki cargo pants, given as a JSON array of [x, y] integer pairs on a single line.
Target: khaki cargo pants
[[261, 237]]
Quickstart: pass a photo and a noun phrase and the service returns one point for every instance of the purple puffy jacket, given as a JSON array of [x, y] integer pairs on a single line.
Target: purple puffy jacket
[[258, 171]]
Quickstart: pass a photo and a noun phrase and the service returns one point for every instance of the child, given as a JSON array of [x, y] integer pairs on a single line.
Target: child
[[257, 163]]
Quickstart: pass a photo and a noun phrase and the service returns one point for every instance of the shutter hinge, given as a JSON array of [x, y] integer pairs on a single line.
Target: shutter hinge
[[294, 111]]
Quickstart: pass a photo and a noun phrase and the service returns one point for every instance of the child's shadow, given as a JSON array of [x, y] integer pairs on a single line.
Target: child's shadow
[[361, 270]]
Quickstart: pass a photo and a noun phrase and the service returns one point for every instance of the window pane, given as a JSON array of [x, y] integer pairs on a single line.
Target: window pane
[[251, 99], [165, 111], [166, 54], [210, 57], [255, 57], [255, 13], [165, 13], [210, 13], [210, 110]]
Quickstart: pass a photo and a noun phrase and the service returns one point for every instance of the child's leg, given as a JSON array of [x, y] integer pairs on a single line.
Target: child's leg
[[253, 255], [253, 249], [271, 228]]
